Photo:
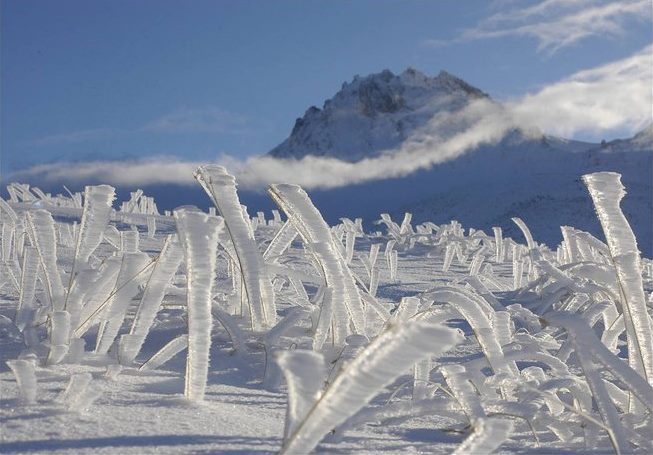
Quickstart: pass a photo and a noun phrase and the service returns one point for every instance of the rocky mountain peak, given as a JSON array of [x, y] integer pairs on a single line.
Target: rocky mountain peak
[[374, 113]]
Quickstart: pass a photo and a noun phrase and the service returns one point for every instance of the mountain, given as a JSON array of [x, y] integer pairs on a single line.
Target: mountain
[[530, 175], [373, 114]]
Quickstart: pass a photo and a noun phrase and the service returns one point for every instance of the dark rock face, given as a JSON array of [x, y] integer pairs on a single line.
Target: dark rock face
[[376, 99]]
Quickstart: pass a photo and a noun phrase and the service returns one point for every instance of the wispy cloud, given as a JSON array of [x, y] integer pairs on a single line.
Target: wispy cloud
[[556, 24], [613, 96], [73, 137], [604, 99], [200, 120]]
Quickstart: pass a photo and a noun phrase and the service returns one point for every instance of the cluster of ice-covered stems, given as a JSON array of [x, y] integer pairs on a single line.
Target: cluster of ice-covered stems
[[344, 311], [569, 312], [313, 411]]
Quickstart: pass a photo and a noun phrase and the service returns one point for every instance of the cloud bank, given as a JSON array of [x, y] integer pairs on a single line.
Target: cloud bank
[[602, 99]]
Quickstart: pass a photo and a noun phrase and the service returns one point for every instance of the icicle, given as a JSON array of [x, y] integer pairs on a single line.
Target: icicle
[[95, 217], [76, 384], [7, 237], [350, 240], [324, 319], [25, 374], [59, 336], [129, 241], [26, 303], [394, 259], [151, 226], [374, 281], [498, 244], [448, 257], [198, 233], [517, 271], [102, 289], [477, 261], [304, 372], [280, 242]]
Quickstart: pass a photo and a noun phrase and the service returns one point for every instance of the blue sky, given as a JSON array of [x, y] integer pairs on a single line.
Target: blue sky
[[115, 79]]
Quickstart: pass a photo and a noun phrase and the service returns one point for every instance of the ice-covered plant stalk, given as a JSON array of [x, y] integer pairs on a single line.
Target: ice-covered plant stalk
[[391, 354], [95, 217], [221, 187], [606, 191], [44, 238], [316, 234], [162, 274], [25, 375], [198, 233]]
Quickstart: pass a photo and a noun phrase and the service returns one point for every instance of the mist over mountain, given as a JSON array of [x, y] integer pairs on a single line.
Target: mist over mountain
[[526, 174]]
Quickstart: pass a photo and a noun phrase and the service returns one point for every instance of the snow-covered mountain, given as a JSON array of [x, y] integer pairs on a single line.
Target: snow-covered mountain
[[375, 113], [533, 176]]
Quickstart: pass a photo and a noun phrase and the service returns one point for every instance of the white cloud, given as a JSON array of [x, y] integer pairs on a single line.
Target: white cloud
[[556, 24], [199, 120], [605, 99]]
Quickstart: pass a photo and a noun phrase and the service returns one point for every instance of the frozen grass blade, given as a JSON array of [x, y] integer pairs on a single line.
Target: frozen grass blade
[[391, 354], [167, 352], [606, 191]]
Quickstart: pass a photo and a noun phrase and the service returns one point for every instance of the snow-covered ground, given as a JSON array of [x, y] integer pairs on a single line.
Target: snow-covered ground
[[503, 343]]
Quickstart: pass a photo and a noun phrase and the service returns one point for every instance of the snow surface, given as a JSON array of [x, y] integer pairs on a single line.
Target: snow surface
[[136, 412]]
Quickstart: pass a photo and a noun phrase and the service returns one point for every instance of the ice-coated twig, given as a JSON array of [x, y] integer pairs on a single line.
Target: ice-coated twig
[[606, 191], [95, 217], [127, 286], [198, 233], [44, 238], [25, 375], [166, 353], [26, 304], [59, 336], [272, 374], [392, 353], [316, 234], [162, 274], [221, 187]]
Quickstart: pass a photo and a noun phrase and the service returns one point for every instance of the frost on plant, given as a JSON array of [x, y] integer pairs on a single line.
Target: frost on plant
[[198, 233], [221, 187]]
